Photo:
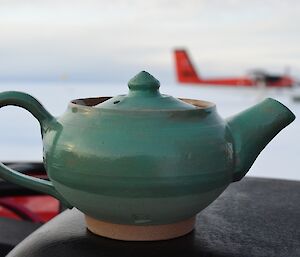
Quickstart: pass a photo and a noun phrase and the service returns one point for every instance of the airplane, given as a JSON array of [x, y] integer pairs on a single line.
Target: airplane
[[186, 73]]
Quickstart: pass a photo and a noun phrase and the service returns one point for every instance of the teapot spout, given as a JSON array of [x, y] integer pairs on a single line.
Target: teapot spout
[[253, 129]]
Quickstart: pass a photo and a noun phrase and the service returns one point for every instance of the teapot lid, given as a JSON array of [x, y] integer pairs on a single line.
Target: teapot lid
[[144, 95]]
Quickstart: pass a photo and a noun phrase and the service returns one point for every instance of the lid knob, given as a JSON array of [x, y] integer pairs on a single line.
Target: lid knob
[[144, 81]]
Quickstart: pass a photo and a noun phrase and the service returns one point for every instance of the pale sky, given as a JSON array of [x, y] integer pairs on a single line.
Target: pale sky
[[110, 41]]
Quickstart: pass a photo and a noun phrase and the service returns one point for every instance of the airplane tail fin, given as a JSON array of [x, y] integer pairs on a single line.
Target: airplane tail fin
[[185, 70]]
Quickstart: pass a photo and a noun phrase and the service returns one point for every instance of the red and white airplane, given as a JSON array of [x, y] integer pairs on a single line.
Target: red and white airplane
[[186, 73]]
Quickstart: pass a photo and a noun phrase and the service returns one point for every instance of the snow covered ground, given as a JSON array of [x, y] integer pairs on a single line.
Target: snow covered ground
[[20, 135]]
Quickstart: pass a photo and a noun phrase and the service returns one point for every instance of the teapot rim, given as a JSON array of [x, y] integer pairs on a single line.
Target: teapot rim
[[89, 103]]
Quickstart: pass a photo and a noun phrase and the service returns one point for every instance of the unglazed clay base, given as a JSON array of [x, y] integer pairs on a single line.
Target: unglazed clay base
[[139, 233]]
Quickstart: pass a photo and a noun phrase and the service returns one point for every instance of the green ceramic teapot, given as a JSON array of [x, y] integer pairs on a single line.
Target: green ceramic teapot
[[141, 166]]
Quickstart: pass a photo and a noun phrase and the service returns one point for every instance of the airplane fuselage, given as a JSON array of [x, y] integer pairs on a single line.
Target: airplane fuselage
[[242, 81]]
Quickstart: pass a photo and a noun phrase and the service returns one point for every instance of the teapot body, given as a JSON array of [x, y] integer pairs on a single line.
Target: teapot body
[[142, 168]]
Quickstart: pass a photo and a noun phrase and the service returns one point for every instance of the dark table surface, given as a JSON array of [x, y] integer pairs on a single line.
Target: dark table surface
[[254, 217], [14, 231]]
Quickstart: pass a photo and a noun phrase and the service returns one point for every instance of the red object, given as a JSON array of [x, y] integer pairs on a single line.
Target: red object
[[22, 205], [186, 73], [40, 208]]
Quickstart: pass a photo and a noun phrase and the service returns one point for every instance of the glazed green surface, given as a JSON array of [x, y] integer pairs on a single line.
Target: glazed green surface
[[117, 161], [151, 159]]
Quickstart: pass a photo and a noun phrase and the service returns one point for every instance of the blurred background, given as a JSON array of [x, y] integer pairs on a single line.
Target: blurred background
[[61, 50]]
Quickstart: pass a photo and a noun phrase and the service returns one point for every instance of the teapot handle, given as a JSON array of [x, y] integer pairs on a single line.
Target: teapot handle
[[30, 104]]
